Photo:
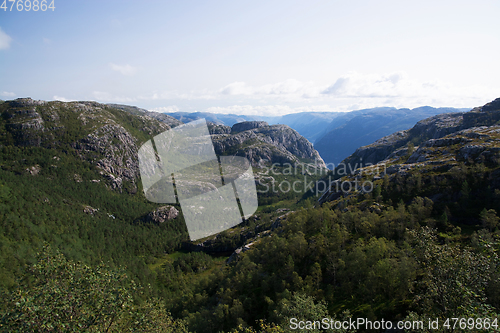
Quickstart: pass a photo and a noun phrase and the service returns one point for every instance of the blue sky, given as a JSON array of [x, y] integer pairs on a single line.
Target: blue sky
[[254, 57]]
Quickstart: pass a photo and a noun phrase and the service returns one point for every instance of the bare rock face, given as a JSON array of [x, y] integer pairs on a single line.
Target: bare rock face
[[25, 121], [117, 151], [90, 210], [261, 143], [26, 102], [438, 126], [162, 214], [471, 151], [34, 170], [214, 128]]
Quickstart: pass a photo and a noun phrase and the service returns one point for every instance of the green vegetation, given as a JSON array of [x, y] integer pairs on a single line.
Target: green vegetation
[[57, 295], [77, 255], [50, 208], [374, 259]]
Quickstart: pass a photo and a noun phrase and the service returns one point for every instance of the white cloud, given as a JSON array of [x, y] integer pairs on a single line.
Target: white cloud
[[251, 110], [352, 91], [289, 89], [4, 40], [237, 88], [46, 41], [372, 85], [166, 109], [62, 99], [174, 94], [123, 69], [379, 89], [7, 94]]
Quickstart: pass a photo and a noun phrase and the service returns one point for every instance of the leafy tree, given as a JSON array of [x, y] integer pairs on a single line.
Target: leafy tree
[[58, 295], [489, 219], [301, 307], [455, 280]]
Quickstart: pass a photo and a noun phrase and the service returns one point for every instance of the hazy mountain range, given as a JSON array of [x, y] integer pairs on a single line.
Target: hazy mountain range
[[353, 129], [335, 135]]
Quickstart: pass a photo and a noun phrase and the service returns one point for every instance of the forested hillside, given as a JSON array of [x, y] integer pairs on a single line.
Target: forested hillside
[[411, 238], [69, 178]]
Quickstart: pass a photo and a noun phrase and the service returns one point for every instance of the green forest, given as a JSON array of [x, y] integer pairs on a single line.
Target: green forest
[[77, 255]]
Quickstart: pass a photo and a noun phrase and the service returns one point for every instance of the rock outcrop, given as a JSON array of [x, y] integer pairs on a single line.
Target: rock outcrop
[[261, 143], [214, 128], [162, 214]]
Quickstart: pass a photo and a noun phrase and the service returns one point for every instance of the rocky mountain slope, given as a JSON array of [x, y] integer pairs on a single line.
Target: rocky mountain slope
[[351, 130], [262, 143], [110, 138], [431, 128], [105, 136], [384, 240], [69, 176], [435, 148]]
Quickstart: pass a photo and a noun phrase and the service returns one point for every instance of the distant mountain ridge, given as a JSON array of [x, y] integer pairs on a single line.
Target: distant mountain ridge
[[219, 119], [309, 124], [163, 117], [432, 128], [358, 128], [335, 135]]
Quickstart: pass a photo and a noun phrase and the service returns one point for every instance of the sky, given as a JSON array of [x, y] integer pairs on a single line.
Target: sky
[[253, 57]]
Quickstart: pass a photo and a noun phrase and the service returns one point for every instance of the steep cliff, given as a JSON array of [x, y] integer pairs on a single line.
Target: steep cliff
[[262, 143]]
